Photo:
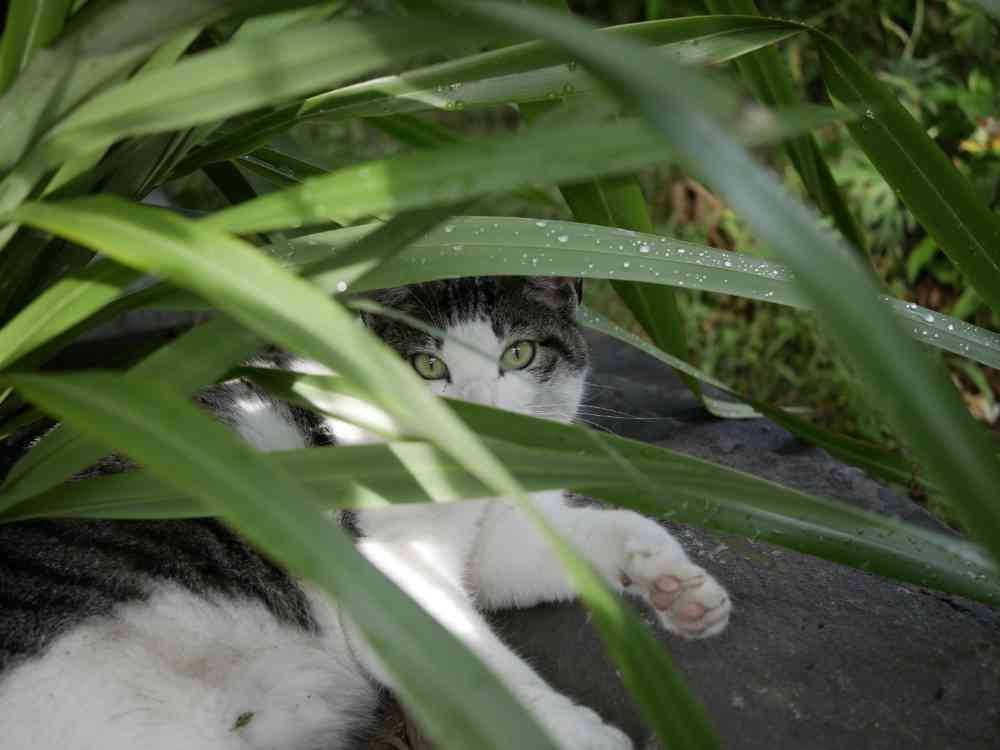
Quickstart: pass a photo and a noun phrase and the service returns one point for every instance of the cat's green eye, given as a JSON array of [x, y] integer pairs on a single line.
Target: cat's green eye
[[518, 355], [428, 366]]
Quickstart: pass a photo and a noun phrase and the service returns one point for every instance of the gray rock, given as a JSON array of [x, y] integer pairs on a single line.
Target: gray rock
[[818, 655]]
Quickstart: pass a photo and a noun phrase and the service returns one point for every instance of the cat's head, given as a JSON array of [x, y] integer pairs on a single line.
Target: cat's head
[[527, 352]]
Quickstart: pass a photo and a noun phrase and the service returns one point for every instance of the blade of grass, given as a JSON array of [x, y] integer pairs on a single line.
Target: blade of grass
[[425, 134], [619, 202], [772, 84], [874, 459], [944, 202], [990, 6], [227, 81], [374, 96], [700, 493], [64, 304], [29, 24], [410, 180], [197, 358], [477, 246], [101, 44]]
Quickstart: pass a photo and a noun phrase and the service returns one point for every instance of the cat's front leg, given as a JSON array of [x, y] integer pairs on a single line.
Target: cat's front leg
[[425, 550], [514, 566]]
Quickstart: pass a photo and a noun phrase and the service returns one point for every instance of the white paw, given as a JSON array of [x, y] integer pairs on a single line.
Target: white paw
[[576, 727], [688, 600]]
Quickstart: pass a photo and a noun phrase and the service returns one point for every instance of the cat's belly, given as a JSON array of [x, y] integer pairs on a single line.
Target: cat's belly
[[180, 671]]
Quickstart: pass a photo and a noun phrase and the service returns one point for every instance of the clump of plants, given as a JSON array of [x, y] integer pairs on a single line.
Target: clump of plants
[[104, 103]]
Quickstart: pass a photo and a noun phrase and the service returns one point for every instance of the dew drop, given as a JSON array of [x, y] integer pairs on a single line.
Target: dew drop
[[341, 286], [643, 248], [625, 264], [450, 228], [541, 223], [563, 238]]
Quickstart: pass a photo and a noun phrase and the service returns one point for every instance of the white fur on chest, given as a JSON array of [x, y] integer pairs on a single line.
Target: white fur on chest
[[181, 673]]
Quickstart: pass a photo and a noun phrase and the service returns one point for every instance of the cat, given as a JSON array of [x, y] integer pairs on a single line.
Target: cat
[[177, 634]]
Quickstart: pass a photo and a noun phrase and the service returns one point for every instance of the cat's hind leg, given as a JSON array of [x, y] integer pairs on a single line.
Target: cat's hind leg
[[179, 671], [513, 564]]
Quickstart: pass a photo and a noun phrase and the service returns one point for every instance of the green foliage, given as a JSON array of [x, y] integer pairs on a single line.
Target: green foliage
[[234, 94]]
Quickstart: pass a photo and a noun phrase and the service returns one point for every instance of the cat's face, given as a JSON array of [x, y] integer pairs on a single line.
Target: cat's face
[[522, 349]]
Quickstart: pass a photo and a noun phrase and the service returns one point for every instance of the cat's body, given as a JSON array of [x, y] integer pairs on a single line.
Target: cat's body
[[177, 634]]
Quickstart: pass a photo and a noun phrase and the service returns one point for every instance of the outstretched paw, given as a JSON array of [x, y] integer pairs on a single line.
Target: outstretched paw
[[688, 600]]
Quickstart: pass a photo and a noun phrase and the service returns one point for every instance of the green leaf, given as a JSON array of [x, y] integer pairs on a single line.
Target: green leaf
[[619, 202], [990, 6], [944, 202], [476, 246], [280, 168], [29, 24], [772, 84], [413, 131], [241, 76], [197, 358], [203, 459], [449, 84], [874, 459], [471, 246], [62, 305], [463, 171], [102, 44], [546, 454], [913, 390]]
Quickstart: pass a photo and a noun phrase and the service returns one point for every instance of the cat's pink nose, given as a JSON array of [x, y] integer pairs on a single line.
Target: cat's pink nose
[[478, 392]]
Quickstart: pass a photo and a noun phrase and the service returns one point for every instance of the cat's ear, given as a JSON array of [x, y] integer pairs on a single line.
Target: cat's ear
[[557, 292]]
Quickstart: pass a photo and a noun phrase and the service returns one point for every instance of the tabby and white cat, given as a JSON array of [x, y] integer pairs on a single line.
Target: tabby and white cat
[[177, 635]]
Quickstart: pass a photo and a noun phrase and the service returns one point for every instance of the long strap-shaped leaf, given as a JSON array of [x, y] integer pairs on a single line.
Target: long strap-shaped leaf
[[195, 359], [943, 201], [443, 85], [191, 452], [874, 459], [228, 81], [772, 83], [104, 41], [915, 393], [545, 455], [485, 245], [29, 24]]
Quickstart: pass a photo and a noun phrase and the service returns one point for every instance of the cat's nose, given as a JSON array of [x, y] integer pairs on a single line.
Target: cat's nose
[[478, 392]]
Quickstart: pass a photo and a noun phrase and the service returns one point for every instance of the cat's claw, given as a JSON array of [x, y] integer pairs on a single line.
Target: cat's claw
[[689, 602]]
